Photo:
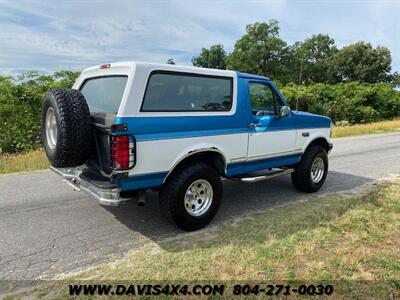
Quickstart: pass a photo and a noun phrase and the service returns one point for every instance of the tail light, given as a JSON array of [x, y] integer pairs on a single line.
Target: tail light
[[122, 152]]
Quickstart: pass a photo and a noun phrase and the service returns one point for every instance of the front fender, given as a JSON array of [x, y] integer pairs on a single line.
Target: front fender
[[314, 134]]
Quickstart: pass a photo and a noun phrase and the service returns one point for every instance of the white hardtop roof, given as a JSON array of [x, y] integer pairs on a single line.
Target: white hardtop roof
[[160, 66]]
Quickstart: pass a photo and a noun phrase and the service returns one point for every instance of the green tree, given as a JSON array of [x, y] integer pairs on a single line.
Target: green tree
[[316, 54], [170, 61], [395, 79], [361, 62], [65, 78], [291, 64], [318, 47], [259, 50], [214, 58]]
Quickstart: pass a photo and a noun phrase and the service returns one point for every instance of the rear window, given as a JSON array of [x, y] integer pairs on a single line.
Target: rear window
[[104, 94], [175, 92]]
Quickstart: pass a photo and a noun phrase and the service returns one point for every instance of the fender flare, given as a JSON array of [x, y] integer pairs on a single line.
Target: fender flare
[[315, 138], [192, 152]]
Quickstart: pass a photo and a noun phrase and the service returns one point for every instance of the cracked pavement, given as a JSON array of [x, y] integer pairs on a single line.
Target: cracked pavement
[[47, 229]]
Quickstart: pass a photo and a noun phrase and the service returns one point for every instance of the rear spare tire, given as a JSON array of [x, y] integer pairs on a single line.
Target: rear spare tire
[[66, 128]]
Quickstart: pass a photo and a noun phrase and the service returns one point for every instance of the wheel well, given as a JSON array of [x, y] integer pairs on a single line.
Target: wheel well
[[322, 142], [212, 157]]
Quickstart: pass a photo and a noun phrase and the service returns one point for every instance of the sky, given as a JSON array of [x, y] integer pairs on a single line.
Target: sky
[[53, 35]]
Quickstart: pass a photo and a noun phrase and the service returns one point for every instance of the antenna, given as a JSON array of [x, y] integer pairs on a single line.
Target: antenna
[[299, 83]]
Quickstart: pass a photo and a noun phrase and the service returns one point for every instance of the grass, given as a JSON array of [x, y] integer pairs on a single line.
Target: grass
[[370, 128], [29, 161], [352, 243]]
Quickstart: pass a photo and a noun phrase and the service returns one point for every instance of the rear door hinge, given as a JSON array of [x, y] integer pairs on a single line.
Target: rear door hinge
[[119, 127]]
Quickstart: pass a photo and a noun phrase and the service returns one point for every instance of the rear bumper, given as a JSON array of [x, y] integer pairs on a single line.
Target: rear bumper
[[330, 147], [105, 192]]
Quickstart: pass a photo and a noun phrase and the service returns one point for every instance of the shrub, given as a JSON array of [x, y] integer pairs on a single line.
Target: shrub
[[20, 106], [351, 102]]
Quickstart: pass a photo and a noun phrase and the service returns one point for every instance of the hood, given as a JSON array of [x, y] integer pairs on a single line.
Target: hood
[[311, 120]]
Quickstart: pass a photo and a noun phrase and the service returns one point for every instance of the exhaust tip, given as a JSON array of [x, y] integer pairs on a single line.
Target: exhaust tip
[[141, 199]]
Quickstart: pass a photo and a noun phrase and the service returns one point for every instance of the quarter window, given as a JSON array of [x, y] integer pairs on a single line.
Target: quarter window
[[174, 92]]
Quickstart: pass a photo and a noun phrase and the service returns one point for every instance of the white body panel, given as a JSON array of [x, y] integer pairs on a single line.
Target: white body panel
[[271, 143], [127, 69], [161, 155], [138, 73], [314, 133]]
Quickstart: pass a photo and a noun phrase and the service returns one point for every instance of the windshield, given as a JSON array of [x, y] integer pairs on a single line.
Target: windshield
[[104, 94]]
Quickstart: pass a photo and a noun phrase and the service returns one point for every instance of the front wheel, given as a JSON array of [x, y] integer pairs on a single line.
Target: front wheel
[[191, 198], [310, 173]]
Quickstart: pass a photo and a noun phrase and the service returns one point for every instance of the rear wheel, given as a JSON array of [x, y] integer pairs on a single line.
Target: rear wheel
[[310, 173], [191, 198], [66, 128]]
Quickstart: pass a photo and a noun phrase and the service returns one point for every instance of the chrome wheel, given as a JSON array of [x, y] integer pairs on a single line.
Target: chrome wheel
[[51, 128], [198, 197], [317, 170]]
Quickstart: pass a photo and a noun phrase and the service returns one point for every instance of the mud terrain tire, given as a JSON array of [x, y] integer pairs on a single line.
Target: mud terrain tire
[[66, 129]]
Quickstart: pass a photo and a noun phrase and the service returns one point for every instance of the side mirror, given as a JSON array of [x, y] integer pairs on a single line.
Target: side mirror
[[284, 111]]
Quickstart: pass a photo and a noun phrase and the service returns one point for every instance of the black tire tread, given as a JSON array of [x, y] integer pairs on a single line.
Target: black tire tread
[[74, 127], [168, 193], [301, 175]]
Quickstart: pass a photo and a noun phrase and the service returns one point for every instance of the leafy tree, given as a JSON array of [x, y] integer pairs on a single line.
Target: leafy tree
[[291, 65], [211, 58], [170, 61], [259, 51], [315, 60], [395, 79], [315, 55], [65, 78], [362, 62], [318, 47]]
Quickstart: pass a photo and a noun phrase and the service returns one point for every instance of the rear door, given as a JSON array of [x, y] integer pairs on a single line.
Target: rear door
[[103, 95]]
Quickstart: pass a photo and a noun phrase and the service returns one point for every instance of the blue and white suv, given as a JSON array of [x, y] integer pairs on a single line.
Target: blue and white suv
[[128, 127]]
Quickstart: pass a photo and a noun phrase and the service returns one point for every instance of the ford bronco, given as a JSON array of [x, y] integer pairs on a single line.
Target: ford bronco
[[127, 127]]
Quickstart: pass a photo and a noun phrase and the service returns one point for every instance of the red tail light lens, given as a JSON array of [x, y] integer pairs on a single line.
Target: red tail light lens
[[122, 152]]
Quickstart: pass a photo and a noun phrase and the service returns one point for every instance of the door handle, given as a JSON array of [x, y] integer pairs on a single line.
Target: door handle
[[254, 125]]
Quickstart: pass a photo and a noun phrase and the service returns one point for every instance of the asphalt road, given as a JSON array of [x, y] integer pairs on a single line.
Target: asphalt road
[[47, 229]]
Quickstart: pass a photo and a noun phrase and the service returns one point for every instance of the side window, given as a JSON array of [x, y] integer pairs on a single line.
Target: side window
[[176, 92], [264, 100]]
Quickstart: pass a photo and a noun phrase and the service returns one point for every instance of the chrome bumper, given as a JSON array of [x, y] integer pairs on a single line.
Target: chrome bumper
[[105, 196]]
